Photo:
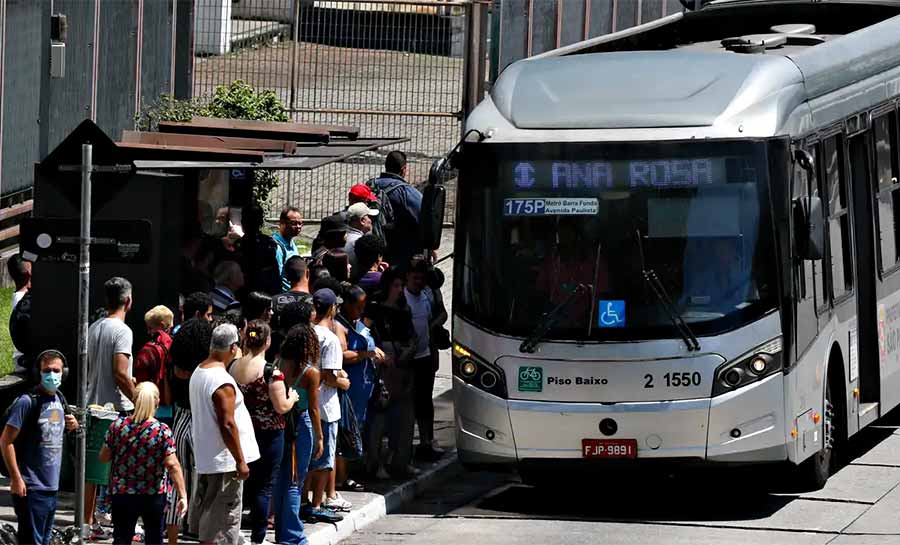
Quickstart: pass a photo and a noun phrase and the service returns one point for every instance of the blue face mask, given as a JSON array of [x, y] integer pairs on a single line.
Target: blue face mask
[[51, 380]]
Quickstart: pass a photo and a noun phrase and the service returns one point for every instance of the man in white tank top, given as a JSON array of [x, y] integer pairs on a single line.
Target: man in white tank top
[[224, 442]]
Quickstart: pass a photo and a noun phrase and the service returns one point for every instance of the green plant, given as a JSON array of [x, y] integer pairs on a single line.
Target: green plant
[[237, 100]]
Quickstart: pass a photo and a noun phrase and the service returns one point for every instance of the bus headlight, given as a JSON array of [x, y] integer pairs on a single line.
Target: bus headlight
[[757, 364], [477, 372], [468, 368]]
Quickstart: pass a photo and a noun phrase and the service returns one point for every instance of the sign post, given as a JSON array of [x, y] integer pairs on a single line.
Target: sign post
[[84, 277]]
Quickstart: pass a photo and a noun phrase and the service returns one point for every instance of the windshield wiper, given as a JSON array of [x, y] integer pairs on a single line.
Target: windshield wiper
[[549, 320], [690, 340]]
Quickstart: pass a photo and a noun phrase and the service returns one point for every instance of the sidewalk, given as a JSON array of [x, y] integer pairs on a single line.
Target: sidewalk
[[382, 497]]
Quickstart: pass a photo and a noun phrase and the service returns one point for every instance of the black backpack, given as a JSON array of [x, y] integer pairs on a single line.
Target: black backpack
[[30, 426], [387, 216], [20, 326]]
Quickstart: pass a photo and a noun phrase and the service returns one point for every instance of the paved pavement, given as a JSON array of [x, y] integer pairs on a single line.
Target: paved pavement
[[859, 506]]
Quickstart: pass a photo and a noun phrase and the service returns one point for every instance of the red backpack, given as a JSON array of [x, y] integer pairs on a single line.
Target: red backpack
[[150, 361]]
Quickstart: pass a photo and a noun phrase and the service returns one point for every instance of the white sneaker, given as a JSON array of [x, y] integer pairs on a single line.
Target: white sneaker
[[99, 533], [103, 519], [338, 503], [413, 470]]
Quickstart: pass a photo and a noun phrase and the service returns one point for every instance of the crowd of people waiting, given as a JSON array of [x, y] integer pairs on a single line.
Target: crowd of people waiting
[[287, 381]]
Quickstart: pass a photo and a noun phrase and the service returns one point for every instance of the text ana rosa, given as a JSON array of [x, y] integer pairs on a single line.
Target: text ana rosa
[[660, 173]]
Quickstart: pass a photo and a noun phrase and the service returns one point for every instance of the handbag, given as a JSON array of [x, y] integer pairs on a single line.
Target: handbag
[[381, 396], [440, 338], [349, 437]]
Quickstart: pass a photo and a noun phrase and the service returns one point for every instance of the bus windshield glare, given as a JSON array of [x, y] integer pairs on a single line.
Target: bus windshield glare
[[572, 228]]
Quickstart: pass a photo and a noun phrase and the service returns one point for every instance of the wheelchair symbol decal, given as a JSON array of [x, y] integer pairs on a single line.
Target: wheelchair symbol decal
[[611, 313]]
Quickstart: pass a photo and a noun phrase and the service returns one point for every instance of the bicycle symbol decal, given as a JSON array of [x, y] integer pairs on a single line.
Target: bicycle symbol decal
[[531, 379], [611, 313]]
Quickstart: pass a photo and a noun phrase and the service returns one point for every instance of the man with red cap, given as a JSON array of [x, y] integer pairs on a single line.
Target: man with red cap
[[359, 193], [363, 193]]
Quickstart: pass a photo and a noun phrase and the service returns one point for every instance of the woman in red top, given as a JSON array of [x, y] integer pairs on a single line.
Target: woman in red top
[[141, 450], [268, 399]]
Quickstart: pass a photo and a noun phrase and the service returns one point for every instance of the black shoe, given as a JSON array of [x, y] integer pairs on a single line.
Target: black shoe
[[427, 453], [323, 514]]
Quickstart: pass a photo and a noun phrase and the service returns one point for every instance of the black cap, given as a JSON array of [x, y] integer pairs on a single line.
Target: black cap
[[334, 224], [325, 297]]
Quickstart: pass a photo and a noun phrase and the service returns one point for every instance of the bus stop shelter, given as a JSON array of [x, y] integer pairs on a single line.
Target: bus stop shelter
[[153, 195]]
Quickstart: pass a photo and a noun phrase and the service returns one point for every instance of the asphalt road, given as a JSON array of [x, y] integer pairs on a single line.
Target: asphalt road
[[859, 506]]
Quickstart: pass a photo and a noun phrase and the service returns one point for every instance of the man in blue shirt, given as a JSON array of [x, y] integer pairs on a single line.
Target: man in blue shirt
[[289, 225], [401, 222], [32, 443]]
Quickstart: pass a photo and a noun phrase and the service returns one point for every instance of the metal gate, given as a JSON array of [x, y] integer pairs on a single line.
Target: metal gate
[[390, 67]]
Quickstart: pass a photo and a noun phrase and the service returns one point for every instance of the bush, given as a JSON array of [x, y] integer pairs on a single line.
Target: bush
[[238, 100]]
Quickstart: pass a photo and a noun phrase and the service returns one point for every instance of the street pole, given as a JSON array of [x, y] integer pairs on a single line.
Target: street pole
[[84, 284]]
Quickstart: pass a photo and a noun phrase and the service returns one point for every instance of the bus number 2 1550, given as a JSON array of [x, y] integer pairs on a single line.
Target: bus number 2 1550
[[676, 380]]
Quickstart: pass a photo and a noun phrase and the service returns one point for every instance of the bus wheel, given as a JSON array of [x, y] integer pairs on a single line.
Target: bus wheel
[[815, 471]]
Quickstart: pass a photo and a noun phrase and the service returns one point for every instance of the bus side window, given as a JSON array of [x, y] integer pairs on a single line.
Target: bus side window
[[803, 271], [885, 129], [838, 217], [818, 267]]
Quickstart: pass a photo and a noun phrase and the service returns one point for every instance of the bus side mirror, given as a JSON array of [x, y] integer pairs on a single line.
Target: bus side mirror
[[434, 202], [436, 173], [809, 225]]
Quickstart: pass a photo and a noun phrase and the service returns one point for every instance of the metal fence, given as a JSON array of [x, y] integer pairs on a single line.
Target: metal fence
[[528, 27], [390, 67]]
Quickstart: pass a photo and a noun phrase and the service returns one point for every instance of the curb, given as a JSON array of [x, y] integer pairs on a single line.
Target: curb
[[380, 505]]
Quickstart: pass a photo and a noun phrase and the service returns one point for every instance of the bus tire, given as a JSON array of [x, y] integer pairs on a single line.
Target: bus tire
[[815, 471]]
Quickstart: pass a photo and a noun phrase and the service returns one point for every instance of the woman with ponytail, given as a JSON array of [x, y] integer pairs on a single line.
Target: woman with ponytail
[[142, 451], [267, 399]]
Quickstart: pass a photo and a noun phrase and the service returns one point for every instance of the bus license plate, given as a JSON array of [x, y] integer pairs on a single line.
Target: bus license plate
[[609, 448]]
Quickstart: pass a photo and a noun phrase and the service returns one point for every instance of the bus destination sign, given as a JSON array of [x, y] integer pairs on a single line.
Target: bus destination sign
[[627, 174], [551, 206]]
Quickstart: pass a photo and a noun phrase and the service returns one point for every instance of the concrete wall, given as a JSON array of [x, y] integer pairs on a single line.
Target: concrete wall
[[118, 56], [282, 11]]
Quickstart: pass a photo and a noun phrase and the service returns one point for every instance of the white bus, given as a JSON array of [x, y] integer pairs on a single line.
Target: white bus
[[681, 242]]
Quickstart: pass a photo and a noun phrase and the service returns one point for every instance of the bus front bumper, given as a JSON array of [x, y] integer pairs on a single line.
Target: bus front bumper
[[744, 426]]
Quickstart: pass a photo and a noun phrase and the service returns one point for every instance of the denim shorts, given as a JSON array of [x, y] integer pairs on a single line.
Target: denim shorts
[[329, 447]]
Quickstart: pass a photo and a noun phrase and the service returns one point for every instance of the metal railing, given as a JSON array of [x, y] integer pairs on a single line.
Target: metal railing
[[390, 67]]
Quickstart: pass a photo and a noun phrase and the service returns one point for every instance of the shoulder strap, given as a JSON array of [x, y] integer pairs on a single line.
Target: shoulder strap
[[280, 246], [62, 400], [34, 413]]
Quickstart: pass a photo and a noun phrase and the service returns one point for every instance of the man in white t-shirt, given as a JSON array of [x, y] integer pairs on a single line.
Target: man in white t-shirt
[[224, 442], [20, 271], [425, 316], [333, 377]]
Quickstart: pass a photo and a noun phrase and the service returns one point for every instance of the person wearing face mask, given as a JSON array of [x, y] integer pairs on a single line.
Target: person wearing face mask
[[32, 444]]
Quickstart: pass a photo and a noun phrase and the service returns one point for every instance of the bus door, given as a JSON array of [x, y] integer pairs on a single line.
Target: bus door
[[806, 326], [866, 277], [886, 203]]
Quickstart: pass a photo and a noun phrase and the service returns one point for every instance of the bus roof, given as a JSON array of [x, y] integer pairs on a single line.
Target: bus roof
[[694, 68], [635, 89]]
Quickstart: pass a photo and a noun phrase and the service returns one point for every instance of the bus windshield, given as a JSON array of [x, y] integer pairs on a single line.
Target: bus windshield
[[572, 228]]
